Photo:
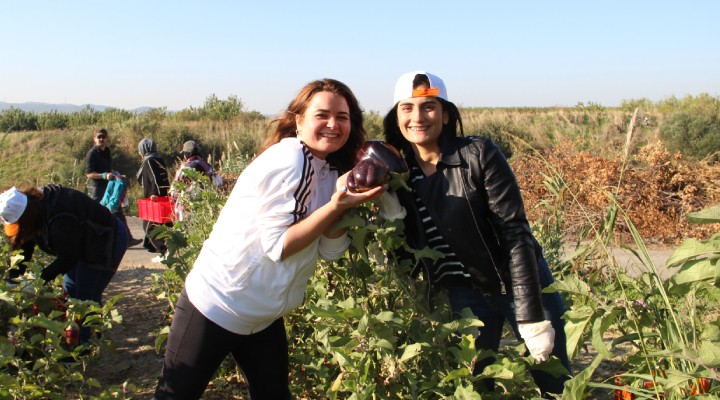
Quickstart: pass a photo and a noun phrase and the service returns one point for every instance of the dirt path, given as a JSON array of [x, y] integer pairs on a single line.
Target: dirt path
[[135, 359]]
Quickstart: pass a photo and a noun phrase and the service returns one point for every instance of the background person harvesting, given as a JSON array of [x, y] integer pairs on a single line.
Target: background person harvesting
[[99, 171], [254, 267], [98, 165], [153, 177], [190, 189], [466, 203], [87, 240]]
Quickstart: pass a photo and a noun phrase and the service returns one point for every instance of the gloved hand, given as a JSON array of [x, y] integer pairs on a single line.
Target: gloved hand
[[390, 207], [539, 338]]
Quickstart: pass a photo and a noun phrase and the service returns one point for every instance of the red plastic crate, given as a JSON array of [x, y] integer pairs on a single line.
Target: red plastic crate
[[159, 210]]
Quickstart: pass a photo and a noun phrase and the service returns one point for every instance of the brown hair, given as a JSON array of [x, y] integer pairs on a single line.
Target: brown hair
[[100, 131], [284, 126], [29, 223]]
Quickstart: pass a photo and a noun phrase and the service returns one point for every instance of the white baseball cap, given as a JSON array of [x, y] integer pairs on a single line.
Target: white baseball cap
[[12, 205], [404, 87]]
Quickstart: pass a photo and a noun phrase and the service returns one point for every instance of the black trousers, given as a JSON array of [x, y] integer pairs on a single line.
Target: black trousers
[[197, 346]]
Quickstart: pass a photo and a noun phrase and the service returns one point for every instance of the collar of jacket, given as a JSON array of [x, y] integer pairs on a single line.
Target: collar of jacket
[[449, 150]]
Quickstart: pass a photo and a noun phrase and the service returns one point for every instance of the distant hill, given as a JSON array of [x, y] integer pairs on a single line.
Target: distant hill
[[61, 108]]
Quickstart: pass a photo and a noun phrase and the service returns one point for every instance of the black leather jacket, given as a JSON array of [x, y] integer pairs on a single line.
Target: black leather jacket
[[476, 204]]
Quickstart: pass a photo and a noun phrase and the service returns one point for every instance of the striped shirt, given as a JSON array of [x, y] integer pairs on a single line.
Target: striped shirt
[[447, 270]]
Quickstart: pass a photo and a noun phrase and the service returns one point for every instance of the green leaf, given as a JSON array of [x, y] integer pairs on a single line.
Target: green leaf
[[383, 344], [600, 326], [575, 386], [466, 393], [337, 383], [705, 216], [358, 242], [693, 248], [362, 327], [347, 303], [341, 359], [576, 322], [411, 351], [571, 284], [553, 366], [465, 352], [710, 332], [695, 271], [497, 371], [459, 373], [385, 316], [427, 252], [710, 354]]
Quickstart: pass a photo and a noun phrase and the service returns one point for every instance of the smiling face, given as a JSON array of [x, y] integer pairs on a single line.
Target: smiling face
[[324, 127], [421, 120]]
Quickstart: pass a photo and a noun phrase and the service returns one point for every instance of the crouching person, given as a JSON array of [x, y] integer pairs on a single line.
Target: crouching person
[[87, 240]]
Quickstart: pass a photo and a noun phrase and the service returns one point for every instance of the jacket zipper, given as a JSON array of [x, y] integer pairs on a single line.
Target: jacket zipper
[[472, 211]]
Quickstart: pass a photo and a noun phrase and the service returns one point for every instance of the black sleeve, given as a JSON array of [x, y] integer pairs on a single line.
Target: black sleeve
[[67, 237], [507, 214], [90, 164]]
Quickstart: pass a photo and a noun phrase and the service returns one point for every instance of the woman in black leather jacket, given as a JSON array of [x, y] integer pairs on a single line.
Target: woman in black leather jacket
[[466, 203]]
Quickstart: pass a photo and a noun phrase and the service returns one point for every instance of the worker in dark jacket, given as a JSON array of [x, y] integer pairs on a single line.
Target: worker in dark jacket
[[87, 240], [154, 179], [466, 203]]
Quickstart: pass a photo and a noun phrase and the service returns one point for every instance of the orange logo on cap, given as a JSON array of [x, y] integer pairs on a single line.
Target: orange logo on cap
[[426, 92], [11, 229]]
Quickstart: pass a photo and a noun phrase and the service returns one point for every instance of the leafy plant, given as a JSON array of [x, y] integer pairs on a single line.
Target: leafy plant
[[666, 329], [696, 136], [40, 359]]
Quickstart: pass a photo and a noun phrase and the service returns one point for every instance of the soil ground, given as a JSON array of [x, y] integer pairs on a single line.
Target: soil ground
[[134, 358]]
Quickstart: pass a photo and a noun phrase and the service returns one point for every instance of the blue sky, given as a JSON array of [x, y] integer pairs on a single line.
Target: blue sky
[[130, 53]]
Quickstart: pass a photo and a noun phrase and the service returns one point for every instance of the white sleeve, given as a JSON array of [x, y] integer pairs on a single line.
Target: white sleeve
[[331, 249], [281, 190]]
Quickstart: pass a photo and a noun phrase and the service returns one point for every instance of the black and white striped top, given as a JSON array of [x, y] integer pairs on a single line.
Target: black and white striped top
[[447, 270]]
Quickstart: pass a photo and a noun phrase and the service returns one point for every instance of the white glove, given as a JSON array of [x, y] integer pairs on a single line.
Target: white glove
[[539, 338], [390, 207]]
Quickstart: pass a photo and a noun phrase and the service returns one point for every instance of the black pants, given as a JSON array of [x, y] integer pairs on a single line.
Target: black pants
[[150, 242], [197, 346]]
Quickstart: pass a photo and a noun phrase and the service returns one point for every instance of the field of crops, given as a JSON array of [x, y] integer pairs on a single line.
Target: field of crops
[[593, 179]]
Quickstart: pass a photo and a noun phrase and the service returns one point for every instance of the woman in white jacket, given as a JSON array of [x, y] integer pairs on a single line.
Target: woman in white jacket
[[254, 267]]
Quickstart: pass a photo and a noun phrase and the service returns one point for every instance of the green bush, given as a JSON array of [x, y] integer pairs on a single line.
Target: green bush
[[87, 117], [52, 120], [221, 110], [13, 119], [694, 135]]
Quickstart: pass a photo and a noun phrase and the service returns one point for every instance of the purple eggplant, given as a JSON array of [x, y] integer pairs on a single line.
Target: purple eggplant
[[384, 153], [367, 174]]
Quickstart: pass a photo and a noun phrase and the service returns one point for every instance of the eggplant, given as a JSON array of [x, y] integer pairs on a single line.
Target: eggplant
[[368, 173], [384, 153]]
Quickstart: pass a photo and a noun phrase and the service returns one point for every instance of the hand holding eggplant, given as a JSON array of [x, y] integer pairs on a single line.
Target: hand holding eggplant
[[367, 174], [376, 164]]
